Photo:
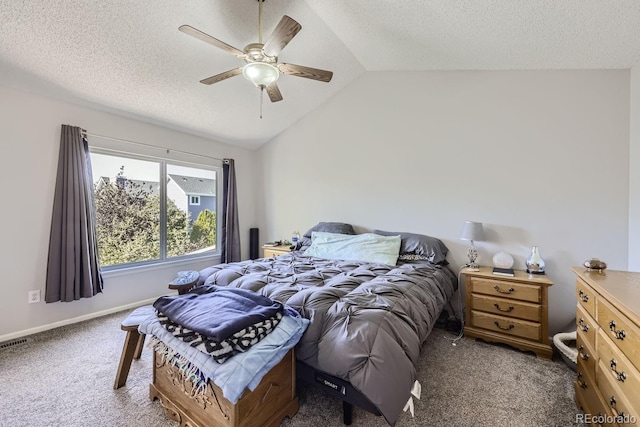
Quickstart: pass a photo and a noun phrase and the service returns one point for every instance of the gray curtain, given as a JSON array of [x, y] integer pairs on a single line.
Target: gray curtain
[[73, 270], [230, 241]]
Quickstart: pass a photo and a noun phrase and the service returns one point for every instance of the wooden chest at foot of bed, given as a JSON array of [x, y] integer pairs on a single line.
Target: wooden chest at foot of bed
[[273, 399]]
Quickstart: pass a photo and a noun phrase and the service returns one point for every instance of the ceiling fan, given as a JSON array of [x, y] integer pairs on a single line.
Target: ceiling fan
[[262, 67]]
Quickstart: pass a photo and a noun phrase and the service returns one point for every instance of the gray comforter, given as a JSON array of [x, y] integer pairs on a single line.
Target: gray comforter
[[368, 321]]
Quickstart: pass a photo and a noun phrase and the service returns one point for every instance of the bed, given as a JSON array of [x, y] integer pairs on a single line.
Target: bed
[[368, 320]]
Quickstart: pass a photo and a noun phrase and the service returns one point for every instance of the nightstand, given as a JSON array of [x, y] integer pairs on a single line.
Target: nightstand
[[269, 251], [509, 310]]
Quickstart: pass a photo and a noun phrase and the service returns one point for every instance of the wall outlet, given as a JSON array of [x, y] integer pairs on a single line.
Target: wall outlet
[[33, 296]]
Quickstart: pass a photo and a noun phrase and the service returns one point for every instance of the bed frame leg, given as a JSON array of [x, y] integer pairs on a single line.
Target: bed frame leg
[[347, 413]]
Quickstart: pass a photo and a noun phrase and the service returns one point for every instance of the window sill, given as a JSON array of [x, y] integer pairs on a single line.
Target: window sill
[[174, 264]]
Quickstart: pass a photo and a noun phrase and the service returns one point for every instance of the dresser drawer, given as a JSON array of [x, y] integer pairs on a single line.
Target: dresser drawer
[[506, 289], [586, 297], [615, 399], [621, 371], [587, 326], [507, 307], [506, 325], [589, 398], [586, 353], [624, 334]]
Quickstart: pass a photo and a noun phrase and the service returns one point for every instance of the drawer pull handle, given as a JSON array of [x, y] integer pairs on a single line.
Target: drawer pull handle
[[508, 328], [584, 356], [619, 335], [612, 404], [583, 326], [506, 310], [620, 376], [508, 291], [581, 383], [584, 297]]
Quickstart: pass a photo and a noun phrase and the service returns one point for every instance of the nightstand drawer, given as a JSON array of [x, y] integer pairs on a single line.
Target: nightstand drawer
[[269, 251], [624, 334], [506, 289], [621, 371], [587, 326], [586, 297], [506, 325], [506, 307]]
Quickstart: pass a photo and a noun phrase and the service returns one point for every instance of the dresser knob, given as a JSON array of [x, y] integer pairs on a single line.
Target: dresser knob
[[612, 404], [506, 310], [583, 325], [619, 335], [508, 328], [620, 376], [508, 291], [584, 297]]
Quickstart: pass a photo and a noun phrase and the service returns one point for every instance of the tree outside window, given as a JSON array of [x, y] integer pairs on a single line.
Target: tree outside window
[[128, 210]]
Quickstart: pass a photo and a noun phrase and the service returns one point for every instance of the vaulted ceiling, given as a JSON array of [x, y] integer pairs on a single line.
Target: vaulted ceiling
[[128, 56]]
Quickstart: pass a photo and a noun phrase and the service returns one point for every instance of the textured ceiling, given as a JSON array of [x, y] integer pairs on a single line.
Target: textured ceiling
[[128, 56]]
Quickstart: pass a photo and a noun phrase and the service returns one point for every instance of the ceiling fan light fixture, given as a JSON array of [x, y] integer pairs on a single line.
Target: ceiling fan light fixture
[[260, 73]]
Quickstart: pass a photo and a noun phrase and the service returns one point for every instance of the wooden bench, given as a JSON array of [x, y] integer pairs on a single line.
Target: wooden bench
[[134, 341]]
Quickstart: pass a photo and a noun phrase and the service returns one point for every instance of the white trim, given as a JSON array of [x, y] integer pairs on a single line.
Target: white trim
[[191, 198], [126, 269], [78, 319]]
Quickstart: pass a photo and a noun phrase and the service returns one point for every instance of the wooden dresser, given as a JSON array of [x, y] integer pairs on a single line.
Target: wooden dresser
[[510, 310], [608, 343]]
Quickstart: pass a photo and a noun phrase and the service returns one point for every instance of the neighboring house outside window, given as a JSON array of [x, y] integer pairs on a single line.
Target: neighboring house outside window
[[184, 189], [132, 225]]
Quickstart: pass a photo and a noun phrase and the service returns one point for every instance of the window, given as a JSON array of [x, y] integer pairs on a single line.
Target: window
[[144, 210]]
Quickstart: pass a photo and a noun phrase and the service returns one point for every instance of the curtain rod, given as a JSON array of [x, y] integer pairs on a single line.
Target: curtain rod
[[152, 146]]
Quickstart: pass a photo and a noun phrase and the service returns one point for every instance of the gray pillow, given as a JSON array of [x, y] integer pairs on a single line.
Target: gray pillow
[[331, 227], [428, 247], [303, 244]]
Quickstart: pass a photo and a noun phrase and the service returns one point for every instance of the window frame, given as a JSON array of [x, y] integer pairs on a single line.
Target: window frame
[[162, 176], [193, 197]]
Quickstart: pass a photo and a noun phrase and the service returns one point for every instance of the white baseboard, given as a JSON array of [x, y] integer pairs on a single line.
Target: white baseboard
[[48, 326]]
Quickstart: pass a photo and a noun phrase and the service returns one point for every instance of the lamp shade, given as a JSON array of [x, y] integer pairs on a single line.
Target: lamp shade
[[260, 73], [472, 231]]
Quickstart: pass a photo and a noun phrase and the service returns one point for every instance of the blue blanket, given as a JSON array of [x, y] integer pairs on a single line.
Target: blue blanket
[[244, 370], [217, 312]]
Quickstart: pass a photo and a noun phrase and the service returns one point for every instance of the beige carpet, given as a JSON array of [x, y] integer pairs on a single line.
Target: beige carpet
[[64, 377]]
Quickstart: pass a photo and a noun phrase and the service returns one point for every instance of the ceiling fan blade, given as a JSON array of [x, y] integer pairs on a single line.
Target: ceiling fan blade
[[222, 76], [274, 92], [188, 29], [306, 72], [286, 29]]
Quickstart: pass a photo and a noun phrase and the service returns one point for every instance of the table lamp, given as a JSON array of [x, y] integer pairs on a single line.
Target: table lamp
[[472, 231]]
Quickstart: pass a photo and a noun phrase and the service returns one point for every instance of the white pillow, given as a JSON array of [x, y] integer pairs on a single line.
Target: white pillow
[[367, 247]]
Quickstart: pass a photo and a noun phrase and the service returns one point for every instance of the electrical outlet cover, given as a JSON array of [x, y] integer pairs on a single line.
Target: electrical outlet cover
[[33, 297]]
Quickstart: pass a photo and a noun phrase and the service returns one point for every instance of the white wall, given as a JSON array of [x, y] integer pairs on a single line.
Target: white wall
[[30, 143], [540, 157], [634, 167]]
